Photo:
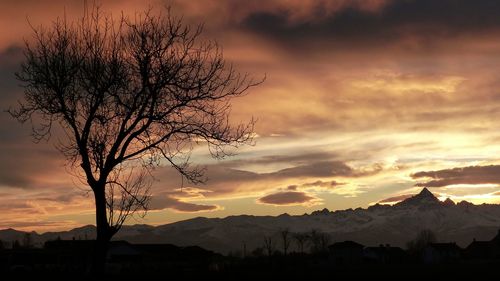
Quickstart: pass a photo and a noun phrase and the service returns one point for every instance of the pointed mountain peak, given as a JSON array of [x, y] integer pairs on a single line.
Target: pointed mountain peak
[[425, 197], [426, 193], [448, 202]]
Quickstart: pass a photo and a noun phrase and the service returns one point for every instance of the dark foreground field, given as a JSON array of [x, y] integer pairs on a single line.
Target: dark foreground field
[[168, 262]]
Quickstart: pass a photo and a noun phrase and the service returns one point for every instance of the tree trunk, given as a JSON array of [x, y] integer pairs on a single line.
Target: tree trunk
[[103, 232]]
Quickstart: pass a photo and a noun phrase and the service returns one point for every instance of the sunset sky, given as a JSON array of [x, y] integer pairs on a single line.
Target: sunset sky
[[364, 102]]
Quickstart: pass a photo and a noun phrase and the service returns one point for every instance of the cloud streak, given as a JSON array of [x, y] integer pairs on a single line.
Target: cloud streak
[[178, 200], [289, 198], [464, 175], [395, 199], [167, 202]]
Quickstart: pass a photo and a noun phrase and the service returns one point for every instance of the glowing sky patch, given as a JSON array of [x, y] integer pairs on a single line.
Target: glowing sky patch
[[346, 117]]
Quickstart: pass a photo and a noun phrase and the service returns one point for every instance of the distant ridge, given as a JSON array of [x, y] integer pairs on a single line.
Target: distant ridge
[[378, 224]]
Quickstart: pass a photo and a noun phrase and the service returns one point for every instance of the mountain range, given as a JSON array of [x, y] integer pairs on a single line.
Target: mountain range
[[378, 224]]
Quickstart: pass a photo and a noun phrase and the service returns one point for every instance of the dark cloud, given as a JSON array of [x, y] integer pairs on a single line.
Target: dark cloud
[[10, 59], [15, 177], [25, 164], [288, 198], [396, 198], [421, 20], [296, 159], [168, 202], [464, 175], [10, 93], [319, 169], [320, 183]]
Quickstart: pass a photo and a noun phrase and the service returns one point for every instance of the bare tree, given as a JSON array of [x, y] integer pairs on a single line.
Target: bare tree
[[301, 239], [129, 95], [269, 245], [27, 240], [324, 242], [16, 244], [285, 240], [258, 252], [422, 239], [319, 241]]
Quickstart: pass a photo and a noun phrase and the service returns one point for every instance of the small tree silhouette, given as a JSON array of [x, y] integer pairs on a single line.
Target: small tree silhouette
[[27, 241], [129, 96], [423, 238], [319, 241], [269, 245], [258, 252], [285, 240], [16, 244], [301, 239]]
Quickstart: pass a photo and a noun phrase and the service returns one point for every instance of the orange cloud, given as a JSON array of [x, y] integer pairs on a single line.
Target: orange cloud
[[287, 198]]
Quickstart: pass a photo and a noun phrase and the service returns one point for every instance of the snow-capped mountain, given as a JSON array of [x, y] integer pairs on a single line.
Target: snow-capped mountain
[[378, 224]]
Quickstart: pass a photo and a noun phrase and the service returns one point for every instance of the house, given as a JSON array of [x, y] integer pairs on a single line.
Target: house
[[441, 252], [122, 251], [71, 253], [384, 254], [478, 250], [346, 252], [495, 245], [484, 249]]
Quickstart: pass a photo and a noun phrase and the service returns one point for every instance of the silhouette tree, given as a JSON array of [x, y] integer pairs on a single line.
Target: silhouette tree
[[301, 239], [27, 241], [258, 252], [269, 245], [319, 241], [16, 244], [285, 240], [417, 245], [129, 95]]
